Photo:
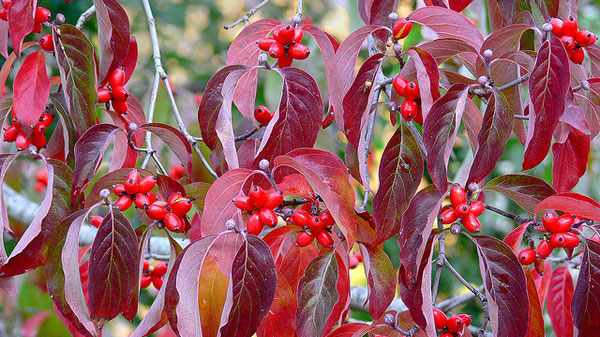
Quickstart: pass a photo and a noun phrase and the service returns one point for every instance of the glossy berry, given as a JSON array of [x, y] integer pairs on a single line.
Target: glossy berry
[[147, 184], [447, 334], [120, 94], [273, 199], [578, 55], [471, 223], [38, 140], [42, 176], [176, 172], [412, 91], [400, 84], [265, 43], [4, 14], [120, 107], [462, 210], [141, 200], [448, 216], [466, 318], [157, 282], [119, 189], [457, 195], [39, 128], [304, 239], [557, 27], [257, 196], [117, 78], [268, 216], [96, 220], [571, 240], [124, 202], [584, 38], [263, 115], [455, 324], [285, 61], [254, 225], [276, 50], [10, 135], [477, 207], [46, 119], [145, 282], [6, 3], [565, 222], [151, 197], [315, 224], [570, 26], [557, 240], [299, 51], [160, 269], [439, 318], [568, 41], [359, 256], [353, 262], [324, 238], [173, 197], [401, 28], [46, 42], [550, 222], [156, 212], [286, 34], [42, 15], [327, 219], [298, 34], [37, 27], [131, 186], [103, 95], [22, 142], [181, 206], [173, 222], [544, 249], [526, 256], [301, 218], [409, 110], [243, 202]]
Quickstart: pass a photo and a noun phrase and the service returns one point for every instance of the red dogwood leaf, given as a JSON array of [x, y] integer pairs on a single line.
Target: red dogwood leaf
[[20, 22], [175, 140], [515, 237], [113, 268], [548, 86], [543, 281], [559, 301], [570, 160], [113, 33], [131, 59], [281, 318], [536, 318], [317, 295], [585, 306], [443, 50], [428, 75], [440, 129], [505, 286], [31, 91], [381, 279], [400, 174], [337, 315], [75, 58], [527, 191], [573, 203], [447, 23], [347, 330], [504, 40]]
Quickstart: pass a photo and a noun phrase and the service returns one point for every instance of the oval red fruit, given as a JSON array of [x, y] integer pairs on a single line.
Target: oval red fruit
[[265, 43], [401, 28], [273, 199], [257, 196], [10, 135], [46, 42], [42, 15], [298, 35], [571, 240], [120, 94], [570, 26], [448, 216], [117, 78], [466, 318], [550, 222], [300, 218], [471, 223], [477, 207], [285, 61], [120, 107], [96, 220], [299, 51], [243, 202], [578, 55], [455, 324], [462, 210], [286, 34], [254, 225], [565, 222], [156, 212], [276, 50], [327, 218], [325, 239], [22, 142], [173, 222], [141, 200], [557, 27], [457, 195], [119, 189], [315, 225], [146, 280], [262, 115], [412, 91], [174, 196], [160, 269], [304, 239], [124, 202], [104, 95], [181, 206], [147, 184], [400, 84], [157, 282], [526, 256], [268, 216], [440, 319], [409, 110], [544, 249], [557, 240]]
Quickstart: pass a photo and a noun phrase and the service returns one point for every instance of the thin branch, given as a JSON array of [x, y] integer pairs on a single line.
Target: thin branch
[[368, 141], [466, 283], [247, 16], [487, 91], [150, 117], [299, 10], [514, 217], [246, 134], [522, 117], [85, 16], [441, 259], [165, 78], [456, 301]]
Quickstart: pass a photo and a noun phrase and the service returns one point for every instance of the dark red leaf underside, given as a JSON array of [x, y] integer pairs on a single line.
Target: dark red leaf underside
[[31, 91], [527, 191], [20, 22], [572, 203], [381, 279], [560, 297], [586, 298]]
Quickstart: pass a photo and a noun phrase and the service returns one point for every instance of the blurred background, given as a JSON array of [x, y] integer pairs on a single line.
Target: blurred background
[[193, 46]]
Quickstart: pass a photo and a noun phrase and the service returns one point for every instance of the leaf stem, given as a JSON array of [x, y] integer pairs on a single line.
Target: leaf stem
[[247, 16], [85, 16]]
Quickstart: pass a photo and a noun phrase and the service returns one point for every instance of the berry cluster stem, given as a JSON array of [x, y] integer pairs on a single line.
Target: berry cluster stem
[[247, 16]]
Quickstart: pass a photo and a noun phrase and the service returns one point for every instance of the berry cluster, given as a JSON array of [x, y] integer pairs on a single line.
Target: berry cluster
[[285, 45], [41, 15], [452, 325], [315, 227], [116, 95], [41, 180], [573, 39], [402, 28], [259, 205], [176, 172], [558, 236], [172, 213], [263, 115], [355, 259], [460, 208], [154, 275], [411, 108], [15, 133], [96, 220], [135, 190]]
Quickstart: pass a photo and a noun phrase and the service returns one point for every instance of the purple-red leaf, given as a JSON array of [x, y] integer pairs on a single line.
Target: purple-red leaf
[[281, 318], [440, 129], [527, 191], [253, 283], [572, 203], [175, 140], [504, 40], [400, 174], [31, 91], [428, 76], [113, 267], [20, 22], [515, 237], [381, 279], [317, 295], [570, 160], [505, 286], [536, 318], [113, 33], [448, 24], [548, 86], [560, 297], [586, 298], [498, 123], [75, 58]]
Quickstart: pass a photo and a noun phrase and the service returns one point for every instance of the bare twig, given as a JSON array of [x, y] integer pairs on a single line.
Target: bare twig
[[369, 140], [487, 91], [466, 283], [247, 16], [299, 10], [514, 217], [522, 117], [456, 301], [85, 16], [441, 258], [165, 78], [246, 134]]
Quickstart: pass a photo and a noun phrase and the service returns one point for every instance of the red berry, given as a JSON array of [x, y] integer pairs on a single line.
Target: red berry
[[145, 282], [304, 239], [6, 3], [119, 189], [570, 26], [557, 240], [10, 135], [401, 28], [39, 128], [22, 142], [120, 94], [568, 42], [146, 266], [571, 240], [467, 319], [409, 110], [299, 51], [157, 282], [96, 221], [131, 186], [268, 216], [42, 176], [455, 324], [141, 200], [257, 196], [359, 256], [4, 14], [526, 256], [550, 222], [544, 249], [151, 197], [181, 206], [400, 84], [39, 140], [276, 50], [477, 207], [298, 34], [117, 78], [462, 210], [325, 239], [285, 61], [38, 187], [471, 223], [273, 199], [15, 121], [120, 107], [457, 195], [419, 117], [174, 196], [265, 43], [286, 34], [447, 334], [565, 222], [147, 184], [124, 202], [42, 15], [174, 223], [156, 212], [243, 202], [160, 269], [316, 225], [263, 115], [301, 218], [583, 38], [46, 42], [353, 262], [37, 27], [103, 95], [176, 172], [439, 318], [557, 27], [46, 119], [578, 55], [254, 225], [412, 91], [327, 218], [448, 216]]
